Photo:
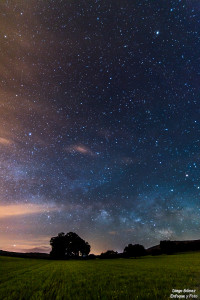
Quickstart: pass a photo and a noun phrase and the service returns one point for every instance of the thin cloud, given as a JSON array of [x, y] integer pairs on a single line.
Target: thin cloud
[[81, 149], [14, 210], [41, 249], [5, 142], [113, 232]]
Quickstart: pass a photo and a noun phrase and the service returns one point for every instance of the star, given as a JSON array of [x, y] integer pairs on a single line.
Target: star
[[99, 130]]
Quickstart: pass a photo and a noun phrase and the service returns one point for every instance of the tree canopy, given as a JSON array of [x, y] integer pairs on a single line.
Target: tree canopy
[[68, 245]]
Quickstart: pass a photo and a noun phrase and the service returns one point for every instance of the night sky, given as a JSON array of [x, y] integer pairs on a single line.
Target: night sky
[[99, 122]]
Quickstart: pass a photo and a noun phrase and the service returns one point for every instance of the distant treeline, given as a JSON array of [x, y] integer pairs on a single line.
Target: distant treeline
[[71, 246], [165, 247]]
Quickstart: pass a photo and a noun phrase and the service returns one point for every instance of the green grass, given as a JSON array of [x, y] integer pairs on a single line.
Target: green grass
[[144, 278]]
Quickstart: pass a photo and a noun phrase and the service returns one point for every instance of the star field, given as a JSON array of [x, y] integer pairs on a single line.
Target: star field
[[99, 122]]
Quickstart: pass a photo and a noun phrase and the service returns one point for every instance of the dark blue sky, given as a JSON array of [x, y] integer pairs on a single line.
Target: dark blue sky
[[99, 114]]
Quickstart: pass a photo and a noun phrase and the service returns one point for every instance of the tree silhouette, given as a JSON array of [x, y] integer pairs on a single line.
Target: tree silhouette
[[136, 250], [58, 244], [109, 254], [69, 245]]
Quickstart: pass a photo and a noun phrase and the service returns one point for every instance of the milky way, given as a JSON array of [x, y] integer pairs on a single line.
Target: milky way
[[99, 122]]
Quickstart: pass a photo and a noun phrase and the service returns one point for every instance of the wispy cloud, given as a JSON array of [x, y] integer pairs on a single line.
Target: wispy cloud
[[41, 249], [14, 210], [5, 142], [28, 243], [113, 232], [81, 149]]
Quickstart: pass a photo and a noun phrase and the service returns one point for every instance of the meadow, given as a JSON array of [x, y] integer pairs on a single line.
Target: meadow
[[150, 277]]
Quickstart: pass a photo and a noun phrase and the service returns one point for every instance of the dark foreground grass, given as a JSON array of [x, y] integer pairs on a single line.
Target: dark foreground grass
[[145, 278]]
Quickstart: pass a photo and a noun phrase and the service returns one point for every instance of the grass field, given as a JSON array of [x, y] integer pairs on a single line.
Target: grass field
[[144, 278]]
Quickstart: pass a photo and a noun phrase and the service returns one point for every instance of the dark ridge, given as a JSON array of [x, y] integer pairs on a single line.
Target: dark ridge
[[25, 255], [170, 247]]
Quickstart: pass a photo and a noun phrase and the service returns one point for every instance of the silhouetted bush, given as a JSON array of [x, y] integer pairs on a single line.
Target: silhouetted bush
[[155, 252], [136, 250], [109, 254], [92, 256]]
